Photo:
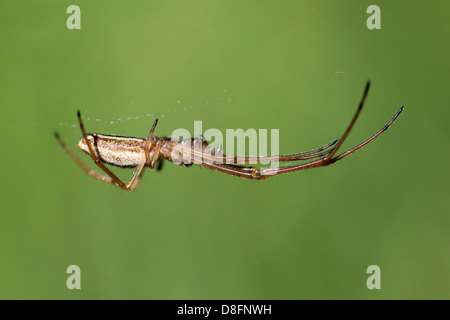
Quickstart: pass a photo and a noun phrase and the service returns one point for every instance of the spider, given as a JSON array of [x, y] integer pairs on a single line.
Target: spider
[[137, 153]]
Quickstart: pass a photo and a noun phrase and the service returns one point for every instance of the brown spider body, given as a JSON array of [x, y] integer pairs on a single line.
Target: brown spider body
[[129, 152], [137, 153]]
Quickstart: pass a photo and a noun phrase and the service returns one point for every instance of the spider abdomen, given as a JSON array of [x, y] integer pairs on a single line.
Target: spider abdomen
[[117, 151]]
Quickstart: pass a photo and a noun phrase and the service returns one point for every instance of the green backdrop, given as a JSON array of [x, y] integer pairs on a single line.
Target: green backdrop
[[191, 233]]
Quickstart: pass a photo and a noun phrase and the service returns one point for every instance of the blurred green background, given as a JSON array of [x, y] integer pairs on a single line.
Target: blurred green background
[[191, 233]]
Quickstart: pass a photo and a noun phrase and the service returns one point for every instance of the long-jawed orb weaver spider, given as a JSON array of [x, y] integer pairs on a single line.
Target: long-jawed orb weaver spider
[[126, 152]]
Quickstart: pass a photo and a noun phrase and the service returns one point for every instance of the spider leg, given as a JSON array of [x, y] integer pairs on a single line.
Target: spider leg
[[327, 161], [78, 161], [148, 144], [264, 173], [219, 159], [235, 170], [152, 163], [359, 146], [355, 117]]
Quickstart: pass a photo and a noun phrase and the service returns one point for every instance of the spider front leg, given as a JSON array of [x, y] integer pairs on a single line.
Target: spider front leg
[[151, 162], [78, 161]]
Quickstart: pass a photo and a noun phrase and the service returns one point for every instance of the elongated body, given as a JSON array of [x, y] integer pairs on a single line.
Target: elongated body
[[133, 152], [129, 152], [123, 152]]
